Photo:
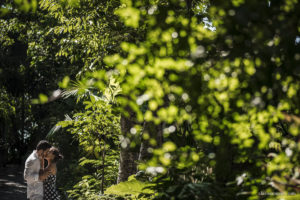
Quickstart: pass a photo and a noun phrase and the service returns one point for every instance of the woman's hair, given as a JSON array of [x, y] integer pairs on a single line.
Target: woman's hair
[[43, 145], [57, 155]]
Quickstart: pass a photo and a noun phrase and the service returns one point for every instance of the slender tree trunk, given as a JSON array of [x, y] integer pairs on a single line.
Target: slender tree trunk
[[103, 170], [128, 157], [144, 153], [23, 118], [22, 139], [224, 156], [159, 134], [154, 131]]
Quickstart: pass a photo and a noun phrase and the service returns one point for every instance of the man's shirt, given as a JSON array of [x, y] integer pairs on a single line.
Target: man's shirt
[[31, 175]]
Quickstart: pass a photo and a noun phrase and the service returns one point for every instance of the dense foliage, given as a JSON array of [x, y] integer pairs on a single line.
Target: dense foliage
[[202, 95]]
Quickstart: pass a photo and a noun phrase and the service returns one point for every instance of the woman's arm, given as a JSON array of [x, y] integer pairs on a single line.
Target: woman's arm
[[52, 168]]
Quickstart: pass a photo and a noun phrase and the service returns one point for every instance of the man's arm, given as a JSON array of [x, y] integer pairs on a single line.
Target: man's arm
[[43, 174], [31, 175]]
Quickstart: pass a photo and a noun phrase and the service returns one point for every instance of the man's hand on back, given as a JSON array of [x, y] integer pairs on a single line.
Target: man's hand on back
[[44, 174]]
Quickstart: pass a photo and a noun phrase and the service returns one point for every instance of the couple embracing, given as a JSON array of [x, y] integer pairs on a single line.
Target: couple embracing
[[41, 180]]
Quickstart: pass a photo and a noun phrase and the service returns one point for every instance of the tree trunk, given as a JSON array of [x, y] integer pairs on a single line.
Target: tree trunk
[[128, 157], [154, 131], [144, 153], [103, 170]]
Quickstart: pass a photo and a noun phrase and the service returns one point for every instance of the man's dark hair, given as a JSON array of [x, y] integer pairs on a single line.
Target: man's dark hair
[[43, 144]]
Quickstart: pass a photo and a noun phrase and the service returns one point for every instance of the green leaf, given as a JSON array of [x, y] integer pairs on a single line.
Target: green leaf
[[169, 146], [129, 15], [132, 187], [65, 82], [43, 98]]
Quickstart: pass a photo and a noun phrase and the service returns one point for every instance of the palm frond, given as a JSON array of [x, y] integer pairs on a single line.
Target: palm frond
[[56, 127], [84, 88], [79, 89]]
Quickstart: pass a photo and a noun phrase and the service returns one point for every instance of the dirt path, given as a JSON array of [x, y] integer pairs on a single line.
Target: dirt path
[[12, 185]]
